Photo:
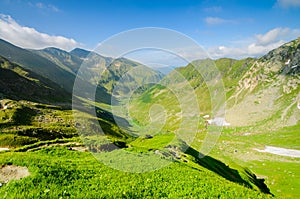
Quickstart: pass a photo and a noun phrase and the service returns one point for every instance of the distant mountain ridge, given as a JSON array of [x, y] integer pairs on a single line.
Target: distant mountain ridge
[[61, 67]]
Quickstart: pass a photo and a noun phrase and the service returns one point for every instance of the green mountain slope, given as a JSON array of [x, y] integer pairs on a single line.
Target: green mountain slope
[[102, 71], [126, 75], [25, 125], [262, 107], [18, 83], [186, 88], [58, 172], [37, 64], [54, 64], [267, 94], [61, 58], [258, 91]]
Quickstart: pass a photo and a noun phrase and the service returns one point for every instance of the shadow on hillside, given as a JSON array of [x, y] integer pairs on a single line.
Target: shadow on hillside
[[111, 125], [116, 120], [228, 173], [16, 87], [19, 116]]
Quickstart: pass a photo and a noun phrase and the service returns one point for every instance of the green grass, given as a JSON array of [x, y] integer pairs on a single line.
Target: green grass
[[235, 148], [60, 173], [157, 142], [283, 137], [10, 140], [25, 123]]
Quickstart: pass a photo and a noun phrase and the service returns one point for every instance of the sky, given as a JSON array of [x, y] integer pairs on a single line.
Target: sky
[[224, 28]]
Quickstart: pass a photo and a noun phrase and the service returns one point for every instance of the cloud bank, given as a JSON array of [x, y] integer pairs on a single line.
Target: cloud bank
[[45, 6], [217, 21], [288, 3], [27, 37], [259, 45]]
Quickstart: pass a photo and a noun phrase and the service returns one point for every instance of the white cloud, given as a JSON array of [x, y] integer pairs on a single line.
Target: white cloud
[[272, 36], [288, 3], [217, 21], [260, 44], [214, 9], [27, 37], [46, 6]]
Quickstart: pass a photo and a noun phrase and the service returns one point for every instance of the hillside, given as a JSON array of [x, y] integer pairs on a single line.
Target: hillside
[[102, 71], [267, 93], [38, 64], [165, 125], [262, 100], [125, 75], [258, 91], [21, 84], [58, 172], [61, 58]]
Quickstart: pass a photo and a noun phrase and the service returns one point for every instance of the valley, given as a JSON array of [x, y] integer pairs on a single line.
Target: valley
[[152, 138]]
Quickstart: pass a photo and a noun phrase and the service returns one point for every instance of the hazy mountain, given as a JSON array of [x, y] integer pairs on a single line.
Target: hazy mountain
[[100, 70], [112, 70], [61, 67], [127, 75], [54, 64], [256, 89]]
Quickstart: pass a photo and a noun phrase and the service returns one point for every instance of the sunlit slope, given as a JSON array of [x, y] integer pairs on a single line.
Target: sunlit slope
[[259, 92], [268, 93]]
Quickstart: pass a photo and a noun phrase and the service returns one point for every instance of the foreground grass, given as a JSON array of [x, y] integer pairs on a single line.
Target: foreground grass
[[60, 173], [236, 147]]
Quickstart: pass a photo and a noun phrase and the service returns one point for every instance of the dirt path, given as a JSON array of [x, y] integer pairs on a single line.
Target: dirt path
[[75, 146], [12, 172]]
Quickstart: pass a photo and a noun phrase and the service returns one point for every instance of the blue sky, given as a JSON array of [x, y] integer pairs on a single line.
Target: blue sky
[[223, 27]]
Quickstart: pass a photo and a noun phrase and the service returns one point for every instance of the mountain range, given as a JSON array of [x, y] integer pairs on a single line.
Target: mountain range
[[259, 91], [61, 67], [261, 96]]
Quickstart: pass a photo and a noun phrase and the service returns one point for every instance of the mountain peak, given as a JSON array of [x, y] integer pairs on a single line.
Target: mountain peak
[[52, 49], [287, 55], [80, 52]]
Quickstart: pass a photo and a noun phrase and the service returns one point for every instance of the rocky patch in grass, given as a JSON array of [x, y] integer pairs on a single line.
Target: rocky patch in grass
[[12, 172]]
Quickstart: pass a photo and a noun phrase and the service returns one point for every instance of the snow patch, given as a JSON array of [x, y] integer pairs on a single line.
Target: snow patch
[[218, 121], [4, 149], [280, 151], [206, 116], [287, 62]]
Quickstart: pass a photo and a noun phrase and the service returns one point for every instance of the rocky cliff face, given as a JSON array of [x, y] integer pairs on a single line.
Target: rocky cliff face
[[288, 56], [268, 92]]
